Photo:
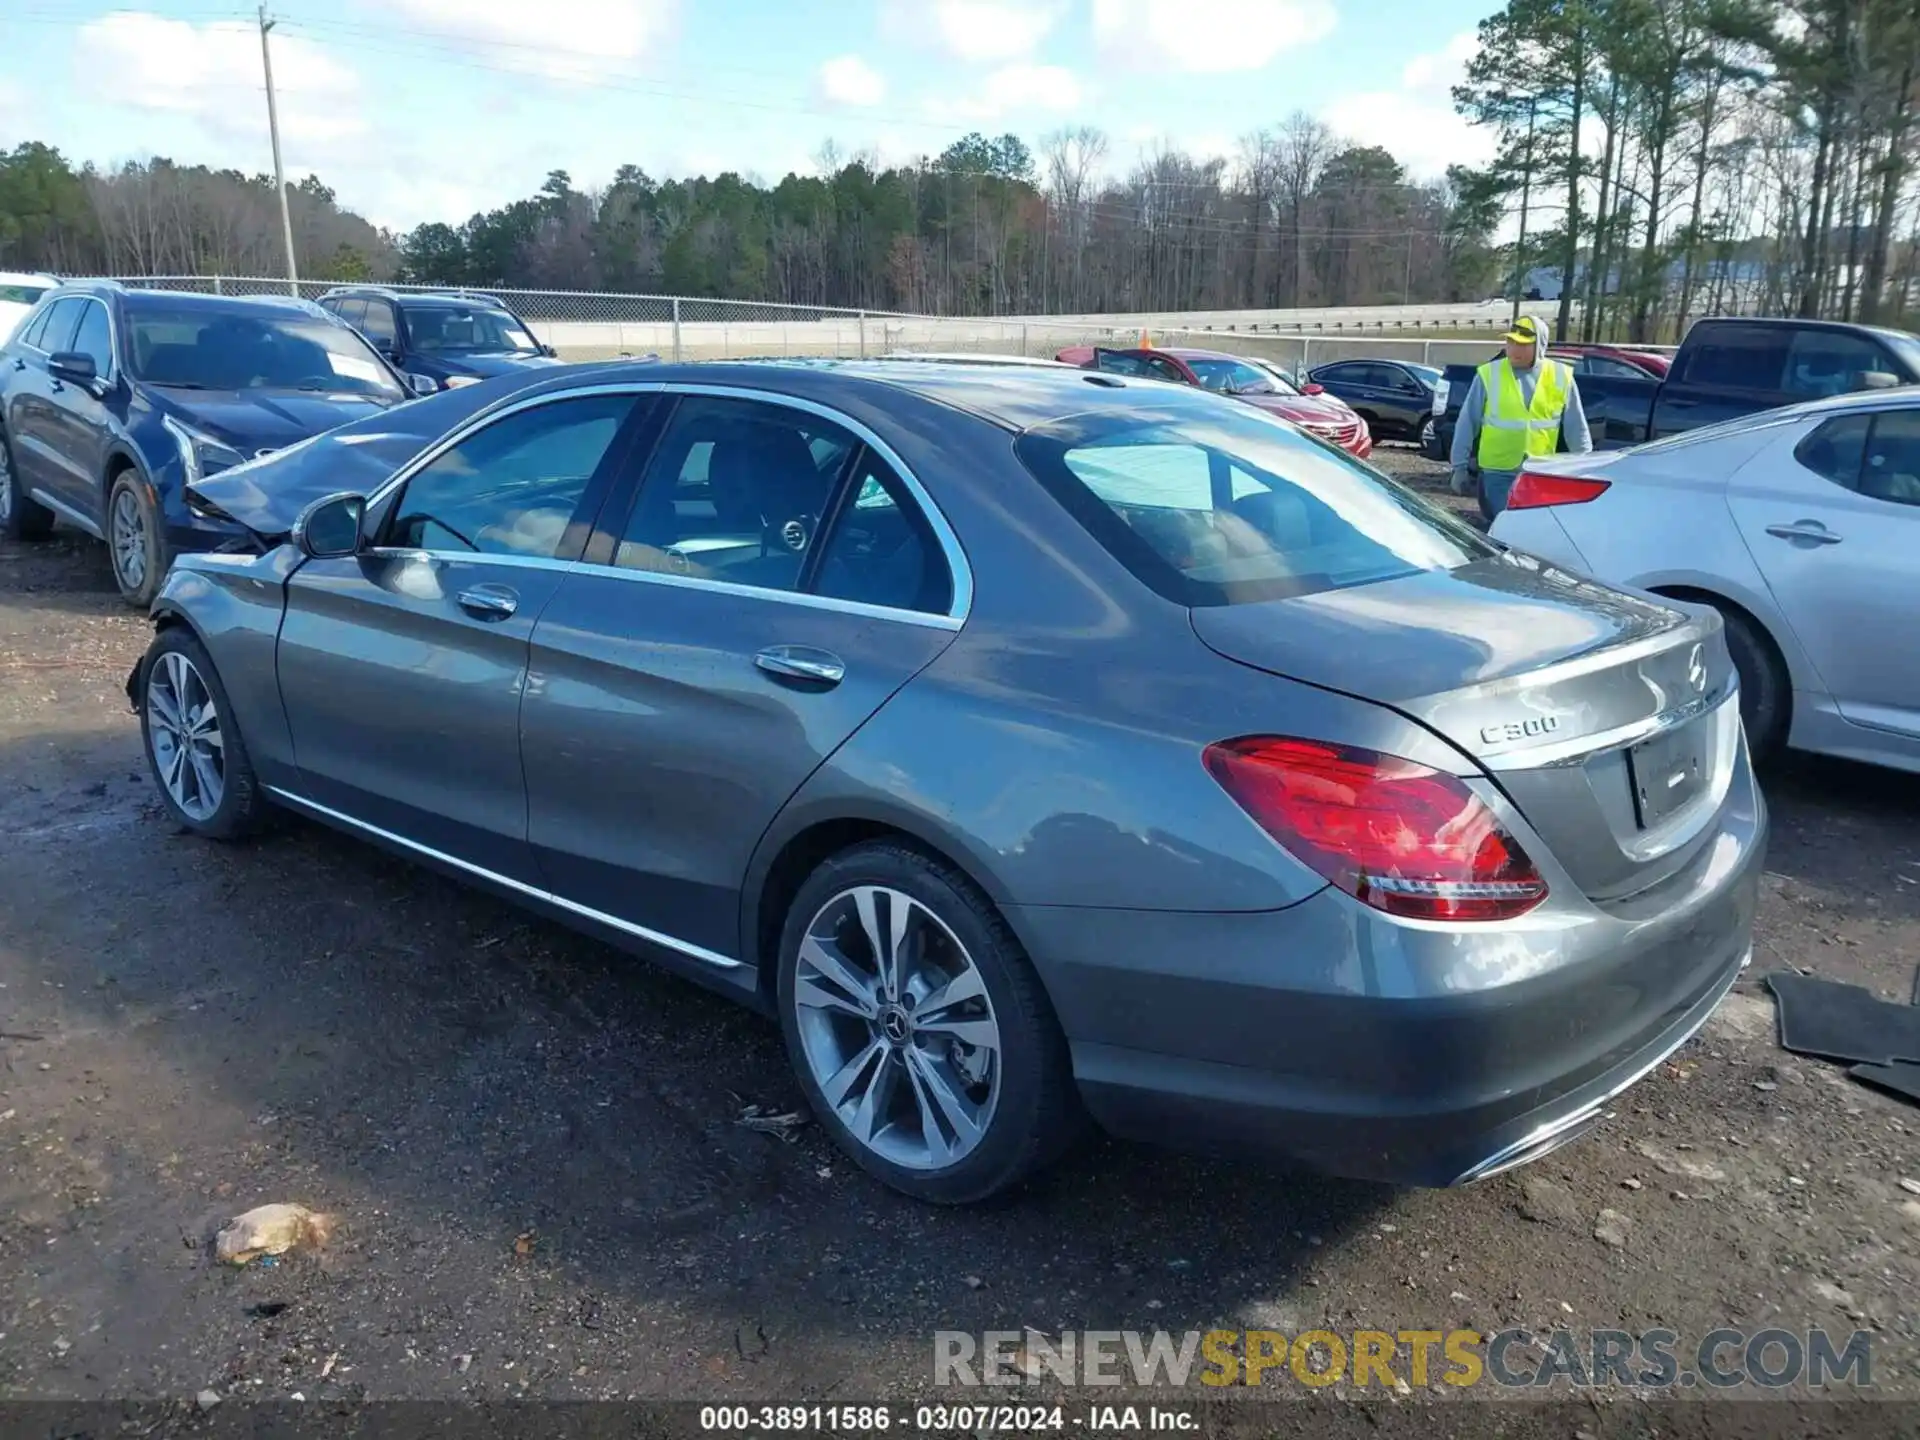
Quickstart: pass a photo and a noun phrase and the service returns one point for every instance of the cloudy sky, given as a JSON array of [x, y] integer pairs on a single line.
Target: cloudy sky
[[431, 109]]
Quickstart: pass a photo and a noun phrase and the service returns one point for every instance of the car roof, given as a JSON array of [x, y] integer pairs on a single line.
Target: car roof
[[1014, 397], [193, 303], [26, 277]]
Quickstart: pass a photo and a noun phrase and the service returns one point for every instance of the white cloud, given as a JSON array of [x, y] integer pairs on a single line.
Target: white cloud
[[577, 41], [1417, 123], [1206, 36], [849, 80], [980, 31], [1014, 89], [211, 74]]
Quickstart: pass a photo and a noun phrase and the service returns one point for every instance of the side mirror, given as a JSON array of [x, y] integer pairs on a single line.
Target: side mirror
[[423, 384], [550, 352], [1310, 388], [329, 528], [72, 365], [1878, 380]]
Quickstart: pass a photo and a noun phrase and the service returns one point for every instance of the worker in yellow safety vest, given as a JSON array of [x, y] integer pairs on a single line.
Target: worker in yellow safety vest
[[1520, 406]]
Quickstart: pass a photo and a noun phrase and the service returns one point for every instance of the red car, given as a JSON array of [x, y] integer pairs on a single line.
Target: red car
[[1310, 408], [1623, 362]]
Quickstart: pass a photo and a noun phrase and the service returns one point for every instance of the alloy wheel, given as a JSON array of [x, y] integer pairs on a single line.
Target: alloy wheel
[[183, 729], [897, 1028], [128, 537]]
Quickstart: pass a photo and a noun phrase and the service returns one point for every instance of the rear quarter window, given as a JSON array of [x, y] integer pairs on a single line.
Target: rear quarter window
[[1235, 508]]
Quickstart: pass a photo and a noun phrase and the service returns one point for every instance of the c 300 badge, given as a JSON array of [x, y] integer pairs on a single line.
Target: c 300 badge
[[1514, 731]]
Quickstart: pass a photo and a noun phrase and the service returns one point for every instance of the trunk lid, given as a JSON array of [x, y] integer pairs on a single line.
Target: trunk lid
[[1607, 718]]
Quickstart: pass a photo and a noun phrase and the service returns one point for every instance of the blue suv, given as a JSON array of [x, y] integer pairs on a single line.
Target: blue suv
[[113, 400], [440, 340]]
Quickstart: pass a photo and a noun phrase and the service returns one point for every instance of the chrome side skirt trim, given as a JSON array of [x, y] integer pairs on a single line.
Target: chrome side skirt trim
[[66, 512], [639, 932], [1554, 1133]]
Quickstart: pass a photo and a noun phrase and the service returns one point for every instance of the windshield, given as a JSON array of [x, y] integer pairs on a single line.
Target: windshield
[[209, 350], [1907, 347], [1232, 377], [451, 330], [1429, 373], [1227, 509], [17, 294]]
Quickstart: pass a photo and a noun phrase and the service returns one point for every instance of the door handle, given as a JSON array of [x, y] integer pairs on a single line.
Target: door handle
[[1811, 530], [488, 602], [802, 662]]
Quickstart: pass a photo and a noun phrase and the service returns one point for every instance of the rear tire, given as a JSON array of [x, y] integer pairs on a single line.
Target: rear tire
[[1766, 692], [20, 518], [903, 1062]]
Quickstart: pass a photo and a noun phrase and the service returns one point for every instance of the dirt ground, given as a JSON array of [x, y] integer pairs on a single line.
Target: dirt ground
[[530, 1139]]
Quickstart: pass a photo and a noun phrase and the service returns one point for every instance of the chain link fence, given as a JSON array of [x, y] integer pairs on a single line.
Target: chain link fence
[[599, 325]]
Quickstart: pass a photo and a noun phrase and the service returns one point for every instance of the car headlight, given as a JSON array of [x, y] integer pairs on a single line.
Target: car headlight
[[200, 453], [422, 384]]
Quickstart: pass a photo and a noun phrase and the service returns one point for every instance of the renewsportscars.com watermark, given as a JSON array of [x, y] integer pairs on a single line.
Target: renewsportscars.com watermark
[[1509, 1359]]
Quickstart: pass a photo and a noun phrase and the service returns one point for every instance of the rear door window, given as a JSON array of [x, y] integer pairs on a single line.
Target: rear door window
[[1891, 470], [1226, 509], [1738, 357], [736, 491], [882, 551], [1834, 451]]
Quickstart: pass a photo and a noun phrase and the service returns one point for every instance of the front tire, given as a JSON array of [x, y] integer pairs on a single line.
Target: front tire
[[20, 518], [194, 749], [918, 1029], [136, 545]]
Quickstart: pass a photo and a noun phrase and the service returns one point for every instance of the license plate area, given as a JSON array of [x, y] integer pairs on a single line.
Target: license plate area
[[1667, 771]]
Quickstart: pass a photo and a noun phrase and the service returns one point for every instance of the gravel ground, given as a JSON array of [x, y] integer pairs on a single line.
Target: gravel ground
[[529, 1139]]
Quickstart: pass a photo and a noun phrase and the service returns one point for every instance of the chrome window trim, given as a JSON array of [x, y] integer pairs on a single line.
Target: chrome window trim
[[805, 599], [656, 577], [600, 917], [958, 569]]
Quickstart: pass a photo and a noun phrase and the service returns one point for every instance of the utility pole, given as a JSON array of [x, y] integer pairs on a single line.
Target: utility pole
[[279, 173], [1406, 295], [1526, 192]]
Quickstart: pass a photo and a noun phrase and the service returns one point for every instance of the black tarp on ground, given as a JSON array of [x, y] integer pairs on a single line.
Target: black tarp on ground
[[1843, 1022], [1901, 1078]]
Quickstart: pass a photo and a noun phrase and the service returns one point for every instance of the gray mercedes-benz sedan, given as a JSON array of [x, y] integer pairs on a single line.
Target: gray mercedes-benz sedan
[[1034, 745]]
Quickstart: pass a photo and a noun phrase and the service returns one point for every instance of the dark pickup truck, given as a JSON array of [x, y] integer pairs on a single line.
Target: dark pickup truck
[[1726, 369]]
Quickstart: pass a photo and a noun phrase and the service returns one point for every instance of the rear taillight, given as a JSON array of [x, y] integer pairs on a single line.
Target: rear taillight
[[1533, 491], [1398, 836]]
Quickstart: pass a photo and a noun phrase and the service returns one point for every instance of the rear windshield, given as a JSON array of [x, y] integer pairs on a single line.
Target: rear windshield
[[1235, 507]]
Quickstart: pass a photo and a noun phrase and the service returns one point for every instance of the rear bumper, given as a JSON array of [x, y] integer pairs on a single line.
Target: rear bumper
[[1332, 1036]]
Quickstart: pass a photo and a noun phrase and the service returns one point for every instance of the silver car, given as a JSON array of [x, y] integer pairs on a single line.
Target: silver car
[[1034, 744], [1801, 526]]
